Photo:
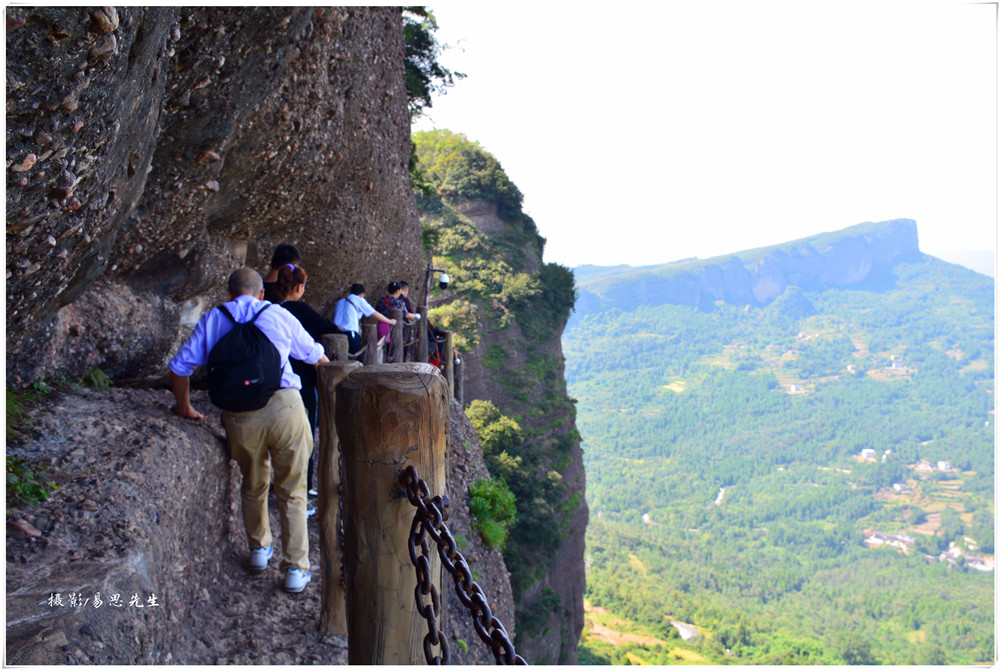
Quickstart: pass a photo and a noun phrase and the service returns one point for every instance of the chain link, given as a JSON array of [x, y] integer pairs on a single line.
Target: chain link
[[428, 521]]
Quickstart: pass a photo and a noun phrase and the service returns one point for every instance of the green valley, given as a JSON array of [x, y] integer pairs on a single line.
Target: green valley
[[806, 478]]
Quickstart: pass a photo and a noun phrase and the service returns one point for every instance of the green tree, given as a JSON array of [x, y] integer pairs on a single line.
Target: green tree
[[424, 74], [497, 433]]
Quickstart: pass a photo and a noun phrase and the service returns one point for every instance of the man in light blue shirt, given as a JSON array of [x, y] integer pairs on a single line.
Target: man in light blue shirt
[[278, 434], [347, 316]]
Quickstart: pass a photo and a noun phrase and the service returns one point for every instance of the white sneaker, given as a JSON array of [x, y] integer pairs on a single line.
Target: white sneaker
[[296, 580], [259, 558]]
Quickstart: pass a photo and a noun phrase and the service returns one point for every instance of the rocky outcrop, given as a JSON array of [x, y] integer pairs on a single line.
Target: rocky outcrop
[[147, 507], [556, 641], [465, 466], [152, 150], [858, 256]]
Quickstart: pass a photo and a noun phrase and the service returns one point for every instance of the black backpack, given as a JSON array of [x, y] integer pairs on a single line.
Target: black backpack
[[244, 367]]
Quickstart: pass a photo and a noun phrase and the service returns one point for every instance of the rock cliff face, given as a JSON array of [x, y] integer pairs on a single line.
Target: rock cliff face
[[564, 574], [859, 255], [555, 641], [153, 511], [152, 150]]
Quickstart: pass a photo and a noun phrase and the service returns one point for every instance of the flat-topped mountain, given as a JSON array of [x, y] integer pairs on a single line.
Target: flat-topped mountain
[[859, 255]]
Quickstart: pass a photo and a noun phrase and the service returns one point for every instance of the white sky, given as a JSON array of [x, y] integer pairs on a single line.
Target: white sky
[[647, 133]]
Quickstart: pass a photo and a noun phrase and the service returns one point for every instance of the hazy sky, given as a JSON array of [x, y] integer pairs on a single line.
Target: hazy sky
[[647, 133]]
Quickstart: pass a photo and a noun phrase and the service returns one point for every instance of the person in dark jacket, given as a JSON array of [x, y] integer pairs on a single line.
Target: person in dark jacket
[[288, 290], [404, 297]]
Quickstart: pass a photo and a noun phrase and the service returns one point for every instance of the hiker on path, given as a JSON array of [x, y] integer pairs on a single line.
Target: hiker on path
[[404, 296], [288, 291], [347, 316], [275, 433], [390, 301]]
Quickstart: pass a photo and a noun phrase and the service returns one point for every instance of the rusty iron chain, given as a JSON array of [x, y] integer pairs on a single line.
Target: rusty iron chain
[[429, 521]]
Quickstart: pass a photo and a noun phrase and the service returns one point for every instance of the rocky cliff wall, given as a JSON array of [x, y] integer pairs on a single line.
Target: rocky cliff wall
[[152, 150], [556, 640], [148, 505]]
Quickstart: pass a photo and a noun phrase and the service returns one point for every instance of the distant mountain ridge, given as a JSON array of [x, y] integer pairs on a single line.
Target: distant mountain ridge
[[855, 256], [745, 454]]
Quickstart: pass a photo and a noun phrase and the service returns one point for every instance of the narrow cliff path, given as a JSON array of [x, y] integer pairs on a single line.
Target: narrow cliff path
[[247, 618], [147, 505]]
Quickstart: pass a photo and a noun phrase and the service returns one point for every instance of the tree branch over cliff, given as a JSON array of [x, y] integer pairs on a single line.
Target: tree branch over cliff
[[424, 75]]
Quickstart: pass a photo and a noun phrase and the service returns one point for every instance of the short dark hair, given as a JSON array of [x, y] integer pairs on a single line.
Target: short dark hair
[[392, 287], [404, 284], [285, 253], [357, 289]]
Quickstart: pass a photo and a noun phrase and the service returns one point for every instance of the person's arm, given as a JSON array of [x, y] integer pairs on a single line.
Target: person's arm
[[302, 345], [182, 394], [371, 311], [381, 317]]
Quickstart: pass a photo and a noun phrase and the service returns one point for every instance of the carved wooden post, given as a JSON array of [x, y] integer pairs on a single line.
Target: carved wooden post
[[423, 350], [369, 339], [397, 336], [388, 417], [333, 614], [448, 361], [336, 347], [460, 381]]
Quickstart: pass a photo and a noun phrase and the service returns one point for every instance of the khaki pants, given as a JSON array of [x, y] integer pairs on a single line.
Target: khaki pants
[[277, 434]]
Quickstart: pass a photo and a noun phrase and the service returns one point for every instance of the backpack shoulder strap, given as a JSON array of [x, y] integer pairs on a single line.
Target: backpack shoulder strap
[[225, 311], [259, 313], [232, 318]]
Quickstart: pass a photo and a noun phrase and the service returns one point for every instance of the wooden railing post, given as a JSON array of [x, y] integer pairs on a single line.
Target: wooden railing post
[[448, 361], [333, 613], [336, 346], [423, 350], [397, 336], [388, 417], [369, 340]]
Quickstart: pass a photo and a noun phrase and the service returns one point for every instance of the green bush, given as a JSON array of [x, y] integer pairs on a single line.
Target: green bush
[[26, 483], [96, 378], [460, 318], [492, 505]]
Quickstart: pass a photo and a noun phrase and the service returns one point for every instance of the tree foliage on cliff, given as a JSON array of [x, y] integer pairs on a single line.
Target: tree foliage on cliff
[[424, 74], [516, 304], [461, 168]]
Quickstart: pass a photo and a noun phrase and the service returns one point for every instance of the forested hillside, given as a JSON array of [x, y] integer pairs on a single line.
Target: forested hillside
[[805, 481], [507, 309]]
